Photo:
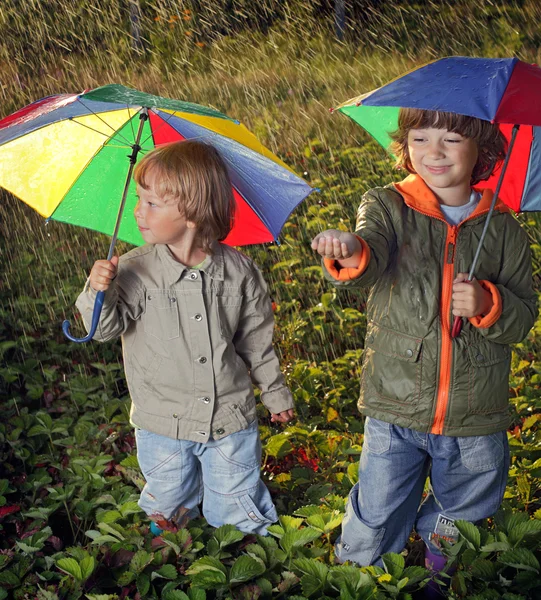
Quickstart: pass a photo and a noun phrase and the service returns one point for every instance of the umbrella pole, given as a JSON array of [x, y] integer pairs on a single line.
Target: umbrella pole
[[457, 324], [100, 296]]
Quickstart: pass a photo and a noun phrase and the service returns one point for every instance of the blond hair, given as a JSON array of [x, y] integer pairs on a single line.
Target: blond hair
[[195, 175], [491, 143]]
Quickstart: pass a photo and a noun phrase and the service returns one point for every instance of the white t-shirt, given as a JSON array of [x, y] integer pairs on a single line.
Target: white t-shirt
[[456, 214]]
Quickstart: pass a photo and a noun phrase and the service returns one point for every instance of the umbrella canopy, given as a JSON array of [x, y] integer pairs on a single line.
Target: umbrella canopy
[[67, 157], [503, 91]]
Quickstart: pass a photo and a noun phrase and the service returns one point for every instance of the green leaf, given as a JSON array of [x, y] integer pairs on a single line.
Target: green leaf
[[520, 558], [166, 572], [484, 569], [71, 567], [496, 547], [174, 595], [470, 533], [195, 594], [143, 584], [209, 579], [227, 535], [88, 564], [289, 522], [246, 568], [393, 564], [140, 560], [9, 578], [528, 528], [297, 538], [310, 585], [309, 566], [206, 563], [415, 574]]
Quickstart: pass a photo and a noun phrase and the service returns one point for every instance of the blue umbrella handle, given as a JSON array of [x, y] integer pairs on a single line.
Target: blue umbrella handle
[[100, 297]]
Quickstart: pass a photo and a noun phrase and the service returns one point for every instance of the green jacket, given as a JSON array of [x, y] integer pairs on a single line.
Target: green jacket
[[414, 374]]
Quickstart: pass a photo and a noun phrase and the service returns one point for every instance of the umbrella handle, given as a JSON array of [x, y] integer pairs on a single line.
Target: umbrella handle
[[457, 327], [98, 303]]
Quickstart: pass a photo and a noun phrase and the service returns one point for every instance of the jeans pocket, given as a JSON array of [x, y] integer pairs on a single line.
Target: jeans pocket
[[265, 514], [482, 453], [236, 454], [377, 436]]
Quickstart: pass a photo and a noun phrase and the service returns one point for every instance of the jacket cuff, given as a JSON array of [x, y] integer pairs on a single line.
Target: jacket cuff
[[278, 400], [349, 273], [486, 321]]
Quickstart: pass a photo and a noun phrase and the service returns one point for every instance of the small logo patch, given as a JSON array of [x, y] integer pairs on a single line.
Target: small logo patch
[[445, 530]]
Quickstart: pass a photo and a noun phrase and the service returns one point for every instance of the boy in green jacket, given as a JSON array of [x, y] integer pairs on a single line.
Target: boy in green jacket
[[435, 406]]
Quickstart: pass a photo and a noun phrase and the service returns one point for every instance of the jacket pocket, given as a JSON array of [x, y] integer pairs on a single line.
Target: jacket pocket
[[228, 311], [391, 367], [161, 318], [488, 389]]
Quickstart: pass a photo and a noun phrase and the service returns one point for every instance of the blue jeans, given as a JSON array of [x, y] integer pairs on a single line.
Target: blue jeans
[[224, 474], [468, 476]]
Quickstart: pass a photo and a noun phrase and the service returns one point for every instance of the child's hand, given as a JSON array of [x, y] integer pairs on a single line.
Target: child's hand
[[103, 272], [469, 298], [338, 245], [283, 417]]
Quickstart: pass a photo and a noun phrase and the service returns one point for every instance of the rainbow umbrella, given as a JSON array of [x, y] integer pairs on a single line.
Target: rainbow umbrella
[[71, 156], [504, 91]]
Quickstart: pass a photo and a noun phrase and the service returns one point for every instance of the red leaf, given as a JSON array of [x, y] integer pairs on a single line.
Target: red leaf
[[8, 510]]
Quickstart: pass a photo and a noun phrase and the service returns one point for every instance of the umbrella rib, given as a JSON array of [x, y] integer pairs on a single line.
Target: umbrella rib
[[104, 122], [165, 122]]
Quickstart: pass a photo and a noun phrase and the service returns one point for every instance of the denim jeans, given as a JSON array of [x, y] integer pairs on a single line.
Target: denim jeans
[[468, 476], [223, 474]]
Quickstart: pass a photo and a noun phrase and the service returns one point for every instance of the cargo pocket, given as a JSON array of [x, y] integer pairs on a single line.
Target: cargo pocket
[[260, 516], [161, 318], [488, 378], [392, 368], [228, 312]]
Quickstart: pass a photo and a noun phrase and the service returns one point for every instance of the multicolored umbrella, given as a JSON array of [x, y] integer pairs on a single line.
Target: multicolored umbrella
[[506, 91], [503, 91], [70, 157]]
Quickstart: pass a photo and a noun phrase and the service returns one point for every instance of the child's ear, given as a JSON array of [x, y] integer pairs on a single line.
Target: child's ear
[[190, 224]]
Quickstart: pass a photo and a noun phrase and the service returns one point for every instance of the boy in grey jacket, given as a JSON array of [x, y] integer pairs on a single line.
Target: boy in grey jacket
[[196, 325]]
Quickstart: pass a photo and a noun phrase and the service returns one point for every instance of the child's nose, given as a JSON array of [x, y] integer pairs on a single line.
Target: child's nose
[[435, 149]]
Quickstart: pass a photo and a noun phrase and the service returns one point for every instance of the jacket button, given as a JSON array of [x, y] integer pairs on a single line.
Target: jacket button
[[203, 360], [370, 339], [193, 276], [172, 299], [480, 357], [198, 317], [409, 352], [220, 431], [175, 416], [205, 400], [235, 406]]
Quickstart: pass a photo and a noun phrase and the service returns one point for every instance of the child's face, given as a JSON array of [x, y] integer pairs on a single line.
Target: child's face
[[445, 160], [158, 218]]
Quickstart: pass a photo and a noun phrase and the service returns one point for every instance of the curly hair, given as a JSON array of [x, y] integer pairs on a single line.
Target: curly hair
[[491, 143]]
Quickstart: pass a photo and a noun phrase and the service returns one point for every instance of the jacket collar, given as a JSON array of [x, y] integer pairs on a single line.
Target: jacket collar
[[213, 265], [418, 196]]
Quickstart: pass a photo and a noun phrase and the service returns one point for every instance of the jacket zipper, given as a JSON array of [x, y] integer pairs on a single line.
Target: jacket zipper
[[446, 351]]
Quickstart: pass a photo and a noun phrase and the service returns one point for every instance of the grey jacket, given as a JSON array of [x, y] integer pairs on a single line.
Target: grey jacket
[[193, 341]]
